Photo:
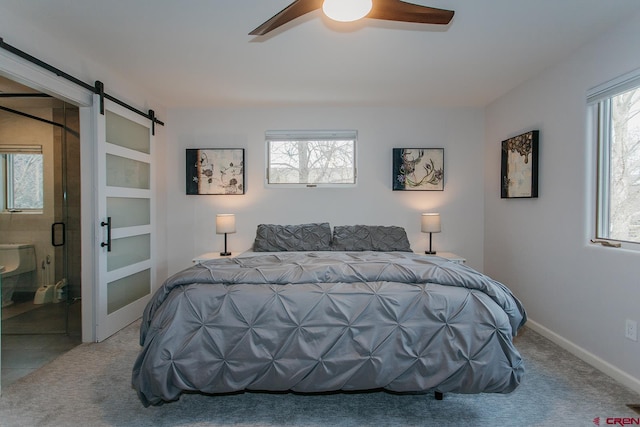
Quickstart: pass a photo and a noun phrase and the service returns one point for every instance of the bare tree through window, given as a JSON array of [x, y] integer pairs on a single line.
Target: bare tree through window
[[311, 161], [22, 176], [624, 180]]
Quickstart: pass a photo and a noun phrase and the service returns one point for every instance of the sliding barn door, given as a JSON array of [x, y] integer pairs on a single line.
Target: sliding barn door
[[125, 227]]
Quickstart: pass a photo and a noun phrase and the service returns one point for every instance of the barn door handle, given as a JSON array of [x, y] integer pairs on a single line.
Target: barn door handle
[[108, 242]]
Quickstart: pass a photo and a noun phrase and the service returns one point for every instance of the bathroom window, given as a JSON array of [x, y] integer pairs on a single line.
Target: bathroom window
[[21, 170], [616, 109], [311, 158]]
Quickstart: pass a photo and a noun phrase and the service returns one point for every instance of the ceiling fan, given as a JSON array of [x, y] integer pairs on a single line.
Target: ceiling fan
[[390, 10]]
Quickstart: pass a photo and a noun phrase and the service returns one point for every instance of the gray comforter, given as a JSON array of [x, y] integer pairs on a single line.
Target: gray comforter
[[328, 321]]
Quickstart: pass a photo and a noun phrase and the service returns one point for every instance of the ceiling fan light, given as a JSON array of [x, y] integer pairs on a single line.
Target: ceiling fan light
[[346, 10]]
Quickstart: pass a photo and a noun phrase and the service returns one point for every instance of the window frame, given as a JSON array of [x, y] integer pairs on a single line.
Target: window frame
[[599, 102], [7, 192], [310, 135]]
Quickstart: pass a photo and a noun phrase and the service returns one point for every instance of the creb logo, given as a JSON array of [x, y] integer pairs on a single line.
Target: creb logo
[[618, 421]]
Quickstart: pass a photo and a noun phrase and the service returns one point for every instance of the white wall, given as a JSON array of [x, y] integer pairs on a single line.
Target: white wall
[[577, 293], [460, 132]]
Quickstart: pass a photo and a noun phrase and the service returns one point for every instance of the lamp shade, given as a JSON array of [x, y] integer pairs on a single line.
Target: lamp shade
[[346, 10], [431, 223], [225, 223]]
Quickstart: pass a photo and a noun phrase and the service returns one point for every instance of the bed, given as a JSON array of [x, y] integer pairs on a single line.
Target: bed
[[353, 311]]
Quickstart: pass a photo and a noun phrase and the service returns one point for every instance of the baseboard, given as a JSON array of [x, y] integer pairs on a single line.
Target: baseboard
[[603, 366]]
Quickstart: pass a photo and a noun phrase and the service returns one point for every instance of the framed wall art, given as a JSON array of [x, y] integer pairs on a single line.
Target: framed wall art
[[519, 178], [418, 169], [215, 171]]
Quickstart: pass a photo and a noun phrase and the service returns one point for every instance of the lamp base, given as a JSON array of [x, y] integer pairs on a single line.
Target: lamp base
[[225, 252], [430, 252]]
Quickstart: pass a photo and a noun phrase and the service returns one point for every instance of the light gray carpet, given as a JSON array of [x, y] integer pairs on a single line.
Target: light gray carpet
[[90, 386]]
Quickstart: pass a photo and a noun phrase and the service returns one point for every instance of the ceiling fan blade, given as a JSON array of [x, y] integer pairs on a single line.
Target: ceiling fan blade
[[397, 10], [289, 13]]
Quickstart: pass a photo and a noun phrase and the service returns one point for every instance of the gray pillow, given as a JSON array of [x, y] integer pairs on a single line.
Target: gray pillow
[[370, 238], [303, 237]]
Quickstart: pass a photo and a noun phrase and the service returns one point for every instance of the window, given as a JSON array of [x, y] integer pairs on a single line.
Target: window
[[21, 171], [311, 158], [617, 108]]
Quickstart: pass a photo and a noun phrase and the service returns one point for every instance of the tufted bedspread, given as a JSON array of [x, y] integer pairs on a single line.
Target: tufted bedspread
[[328, 321]]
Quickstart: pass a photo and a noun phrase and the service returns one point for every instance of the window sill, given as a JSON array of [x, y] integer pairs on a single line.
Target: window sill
[[615, 245], [21, 212]]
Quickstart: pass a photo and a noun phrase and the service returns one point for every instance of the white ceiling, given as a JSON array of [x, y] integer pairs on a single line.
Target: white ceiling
[[198, 52]]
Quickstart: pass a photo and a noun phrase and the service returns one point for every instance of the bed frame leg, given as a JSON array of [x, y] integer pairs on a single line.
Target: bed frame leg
[[439, 395]]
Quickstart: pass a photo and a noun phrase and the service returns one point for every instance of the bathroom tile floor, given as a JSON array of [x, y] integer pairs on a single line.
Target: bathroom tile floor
[[24, 353]]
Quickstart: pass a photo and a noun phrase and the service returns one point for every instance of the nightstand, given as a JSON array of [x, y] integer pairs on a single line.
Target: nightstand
[[448, 255], [452, 257], [209, 256]]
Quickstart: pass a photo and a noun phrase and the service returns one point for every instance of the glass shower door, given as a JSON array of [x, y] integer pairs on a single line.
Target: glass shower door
[[45, 132], [65, 271]]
